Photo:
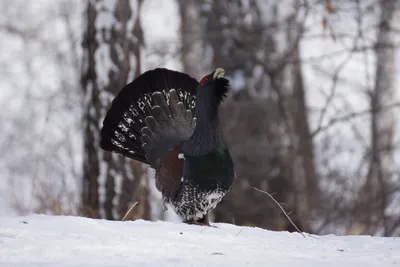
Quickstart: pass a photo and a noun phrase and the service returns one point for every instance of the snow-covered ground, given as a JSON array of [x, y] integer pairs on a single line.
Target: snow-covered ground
[[41, 240]]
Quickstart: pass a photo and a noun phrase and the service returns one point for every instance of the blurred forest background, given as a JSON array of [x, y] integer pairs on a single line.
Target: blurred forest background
[[311, 117]]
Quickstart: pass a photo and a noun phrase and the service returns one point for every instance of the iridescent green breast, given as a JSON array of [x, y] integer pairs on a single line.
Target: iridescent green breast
[[210, 171]]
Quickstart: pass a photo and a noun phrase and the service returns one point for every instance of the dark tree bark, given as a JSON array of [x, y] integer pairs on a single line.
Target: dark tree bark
[[90, 189]]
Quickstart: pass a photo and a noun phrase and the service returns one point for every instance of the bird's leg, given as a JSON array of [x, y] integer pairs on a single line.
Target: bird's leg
[[205, 220]]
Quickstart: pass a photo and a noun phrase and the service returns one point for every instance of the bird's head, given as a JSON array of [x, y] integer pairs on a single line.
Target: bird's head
[[213, 86]]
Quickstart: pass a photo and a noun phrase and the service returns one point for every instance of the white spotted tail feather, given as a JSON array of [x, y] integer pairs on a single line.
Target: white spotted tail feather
[[150, 115], [168, 125]]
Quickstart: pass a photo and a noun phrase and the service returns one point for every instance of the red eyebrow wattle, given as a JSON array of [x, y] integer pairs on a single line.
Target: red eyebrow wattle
[[205, 79]]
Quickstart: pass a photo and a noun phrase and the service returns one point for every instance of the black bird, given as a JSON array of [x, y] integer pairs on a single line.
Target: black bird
[[169, 121]]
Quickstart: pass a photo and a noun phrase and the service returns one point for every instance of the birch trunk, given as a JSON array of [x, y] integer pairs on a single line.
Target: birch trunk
[[112, 43]]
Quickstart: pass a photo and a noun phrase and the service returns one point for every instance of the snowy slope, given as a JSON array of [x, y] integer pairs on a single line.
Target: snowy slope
[[41, 240]]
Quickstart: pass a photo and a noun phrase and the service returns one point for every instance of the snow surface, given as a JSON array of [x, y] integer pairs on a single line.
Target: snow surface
[[41, 240]]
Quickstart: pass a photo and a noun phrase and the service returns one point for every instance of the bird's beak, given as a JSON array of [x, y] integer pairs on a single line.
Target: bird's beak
[[219, 73]]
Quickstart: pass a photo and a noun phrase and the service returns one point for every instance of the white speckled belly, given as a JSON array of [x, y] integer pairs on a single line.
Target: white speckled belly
[[194, 203]]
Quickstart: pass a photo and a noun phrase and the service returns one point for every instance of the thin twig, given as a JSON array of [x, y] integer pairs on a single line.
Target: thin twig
[[130, 209], [239, 231], [277, 203], [284, 212]]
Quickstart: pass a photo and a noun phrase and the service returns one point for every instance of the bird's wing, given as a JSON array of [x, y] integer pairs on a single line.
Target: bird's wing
[[169, 174]]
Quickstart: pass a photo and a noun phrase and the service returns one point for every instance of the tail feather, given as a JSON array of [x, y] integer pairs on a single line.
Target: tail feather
[[166, 127], [146, 117]]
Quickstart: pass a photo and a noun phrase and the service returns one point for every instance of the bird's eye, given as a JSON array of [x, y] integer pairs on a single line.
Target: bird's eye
[[203, 81]]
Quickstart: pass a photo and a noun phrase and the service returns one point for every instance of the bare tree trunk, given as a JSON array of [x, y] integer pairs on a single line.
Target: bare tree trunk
[[304, 174], [192, 45], [91, 168], [112, 39], [378, 183]]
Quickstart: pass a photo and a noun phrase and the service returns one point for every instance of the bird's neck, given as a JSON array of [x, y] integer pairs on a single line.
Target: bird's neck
[[207, 135]]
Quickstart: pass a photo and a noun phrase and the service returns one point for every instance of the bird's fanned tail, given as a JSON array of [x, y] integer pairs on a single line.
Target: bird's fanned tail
[[150, 115]]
